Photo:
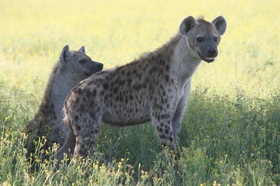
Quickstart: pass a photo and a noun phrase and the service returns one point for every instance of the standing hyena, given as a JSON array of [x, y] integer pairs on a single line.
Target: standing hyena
[[72, 67], [154, 87]]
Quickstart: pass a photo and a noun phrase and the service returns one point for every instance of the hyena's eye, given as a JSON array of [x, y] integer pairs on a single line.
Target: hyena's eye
[[216, 39], [199, 39], [83, 61]]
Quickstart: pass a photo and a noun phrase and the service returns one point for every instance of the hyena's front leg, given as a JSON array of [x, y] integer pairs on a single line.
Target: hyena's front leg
[[163, 125], [179, 113]]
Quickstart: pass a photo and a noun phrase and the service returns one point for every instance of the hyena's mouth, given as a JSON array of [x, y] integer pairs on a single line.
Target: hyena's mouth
[[88, 74], [91, 73], [207, 59]]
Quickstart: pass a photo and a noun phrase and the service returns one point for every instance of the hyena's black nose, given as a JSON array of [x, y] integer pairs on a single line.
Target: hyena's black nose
[[100, 65], [211, 52]]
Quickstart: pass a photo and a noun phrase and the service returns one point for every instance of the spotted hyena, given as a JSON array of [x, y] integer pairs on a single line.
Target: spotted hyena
[[153, 88], [72, 67]]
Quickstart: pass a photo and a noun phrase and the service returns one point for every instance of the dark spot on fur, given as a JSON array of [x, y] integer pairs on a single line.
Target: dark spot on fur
[[163, 95], [84, 99], [144, 85], [155, 100], [107, 77], [82, 108], [121, 83], [137, 87], [151, 71], [129, 81], [76, 118], [162, 136], [92, 114], [167, 67], [121, 98], [79, 91], [147, 80], [105, 86], [78, 127], [101, 93], [111, 95], [94, 93], [117, 97], [162, 62], [91, 104], [116, 90], [106, 97], [88, 94], [159, 129], [166, 78]]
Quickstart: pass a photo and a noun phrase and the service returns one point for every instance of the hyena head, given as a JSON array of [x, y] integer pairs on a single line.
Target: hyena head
[[78, 64], [203, 37]]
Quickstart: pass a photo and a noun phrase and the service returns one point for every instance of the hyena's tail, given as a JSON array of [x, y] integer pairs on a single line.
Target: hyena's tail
[[68, 147], [69, 144]]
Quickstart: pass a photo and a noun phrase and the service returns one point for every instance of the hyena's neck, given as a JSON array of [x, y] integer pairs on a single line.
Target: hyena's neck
[[58, 88], [185, 64]]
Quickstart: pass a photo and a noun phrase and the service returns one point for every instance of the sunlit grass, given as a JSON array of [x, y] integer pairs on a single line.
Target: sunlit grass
[[230, 134], [33, 33]]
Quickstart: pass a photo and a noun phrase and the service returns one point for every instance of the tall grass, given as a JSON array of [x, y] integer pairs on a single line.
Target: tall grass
[[231, 131]]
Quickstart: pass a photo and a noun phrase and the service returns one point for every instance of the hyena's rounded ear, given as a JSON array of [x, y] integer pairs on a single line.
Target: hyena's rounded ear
[[64, 55], [220, 24], [186, 25], [82, 49]]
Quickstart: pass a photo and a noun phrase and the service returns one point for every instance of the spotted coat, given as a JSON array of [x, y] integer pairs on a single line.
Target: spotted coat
[[153, 88]]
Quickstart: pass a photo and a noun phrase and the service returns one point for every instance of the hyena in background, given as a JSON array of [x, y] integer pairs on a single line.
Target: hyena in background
[[72, 67], [153, 88]]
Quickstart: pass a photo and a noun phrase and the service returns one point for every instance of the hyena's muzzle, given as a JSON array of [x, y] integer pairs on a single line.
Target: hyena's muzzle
[[208, 52]]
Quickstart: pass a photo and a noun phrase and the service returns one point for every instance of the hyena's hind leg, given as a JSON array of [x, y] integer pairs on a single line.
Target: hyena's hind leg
[[83, 116], [86, 131]]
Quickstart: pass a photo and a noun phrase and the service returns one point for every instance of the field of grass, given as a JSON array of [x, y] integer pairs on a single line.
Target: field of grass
[[231, 130]]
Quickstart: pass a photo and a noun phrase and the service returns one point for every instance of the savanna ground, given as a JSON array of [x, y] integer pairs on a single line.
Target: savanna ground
[[231, 130]]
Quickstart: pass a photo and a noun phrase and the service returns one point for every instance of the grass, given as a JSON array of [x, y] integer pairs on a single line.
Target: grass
[[231, 131]]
